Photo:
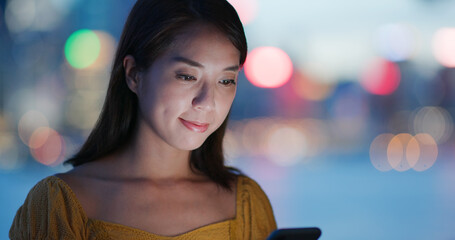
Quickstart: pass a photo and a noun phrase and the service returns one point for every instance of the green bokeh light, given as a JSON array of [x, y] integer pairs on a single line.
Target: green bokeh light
[[82, 48]]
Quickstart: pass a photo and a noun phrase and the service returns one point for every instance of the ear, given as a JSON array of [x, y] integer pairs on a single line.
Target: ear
[[131, 73]]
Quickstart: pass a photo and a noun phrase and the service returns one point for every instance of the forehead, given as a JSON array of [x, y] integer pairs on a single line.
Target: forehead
[[200, 39]]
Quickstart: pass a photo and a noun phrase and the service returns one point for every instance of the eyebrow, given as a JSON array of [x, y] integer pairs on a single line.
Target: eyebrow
[[196, 64]]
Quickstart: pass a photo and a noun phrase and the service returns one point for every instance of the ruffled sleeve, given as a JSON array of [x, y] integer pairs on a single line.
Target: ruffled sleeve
[[256, 220], [49, 212]]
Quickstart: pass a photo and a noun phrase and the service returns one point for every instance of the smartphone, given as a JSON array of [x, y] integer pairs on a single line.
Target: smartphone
[[309, 233]]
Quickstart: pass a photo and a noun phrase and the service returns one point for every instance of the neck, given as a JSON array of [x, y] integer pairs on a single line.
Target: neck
[[148, 156]]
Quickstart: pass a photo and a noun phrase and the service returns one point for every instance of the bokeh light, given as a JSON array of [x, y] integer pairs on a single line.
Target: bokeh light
[[381, 77], [286, 145], [106, 52], [246, 9], [283, 141], [47, 146], [20, 14], [397, 152], [28, 123], [396, 42], [268, 67], [82, 48], [403, 152], [428, 152], [378, 152], [444, 46], [308, 88], [32, 15], [435, 121]]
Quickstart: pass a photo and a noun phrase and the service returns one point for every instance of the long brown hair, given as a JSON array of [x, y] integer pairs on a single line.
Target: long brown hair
[[149, 31]]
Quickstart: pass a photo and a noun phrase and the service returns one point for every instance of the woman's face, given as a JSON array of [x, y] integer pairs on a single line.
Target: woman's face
[[187, 92]]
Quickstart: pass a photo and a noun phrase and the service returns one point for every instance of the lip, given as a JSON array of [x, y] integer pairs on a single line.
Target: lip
[[195, 126]]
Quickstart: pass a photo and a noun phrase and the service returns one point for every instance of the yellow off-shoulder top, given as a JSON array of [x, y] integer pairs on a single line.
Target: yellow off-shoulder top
[[52, 211]]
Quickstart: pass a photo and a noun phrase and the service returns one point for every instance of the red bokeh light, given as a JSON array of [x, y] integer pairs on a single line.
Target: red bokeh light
[[47, 146], [382, 77], [268, 67]]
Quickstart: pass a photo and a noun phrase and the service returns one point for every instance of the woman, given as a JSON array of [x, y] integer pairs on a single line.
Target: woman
[[153, 166]]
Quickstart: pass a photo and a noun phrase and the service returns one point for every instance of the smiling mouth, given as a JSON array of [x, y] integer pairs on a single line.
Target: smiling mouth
[[195, 126]]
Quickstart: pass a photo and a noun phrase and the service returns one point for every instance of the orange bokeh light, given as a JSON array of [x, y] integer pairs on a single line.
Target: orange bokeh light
[[403, 151], [444, 46], [308, 88], [381, 77], [268, 67], [397, 152]]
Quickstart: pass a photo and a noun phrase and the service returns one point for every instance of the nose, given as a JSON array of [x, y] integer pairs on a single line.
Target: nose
[[204, 99]]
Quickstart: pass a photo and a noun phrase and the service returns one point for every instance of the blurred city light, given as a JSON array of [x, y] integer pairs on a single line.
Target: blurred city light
[[268, 67], [444, 46], [28, 123], [381, 77], [34, 15], [308, 88], [398, 152], [333, 57], [397, 42], [435, 121], [246, 9], [378, 152], [428, 152], [106, 51], [286, 145], [47, 146], [82, 48], [19, 14], [285, 142], [403, 152]]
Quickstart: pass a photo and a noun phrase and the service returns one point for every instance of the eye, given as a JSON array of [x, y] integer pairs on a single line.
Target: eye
[[186, 77], [228, 82]]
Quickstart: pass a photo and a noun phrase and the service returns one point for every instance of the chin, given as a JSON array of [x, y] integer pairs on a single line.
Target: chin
[[191, 144]]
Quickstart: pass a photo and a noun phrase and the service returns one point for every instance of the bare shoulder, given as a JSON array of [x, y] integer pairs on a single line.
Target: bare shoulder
[[82, 180], [77, 176]]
